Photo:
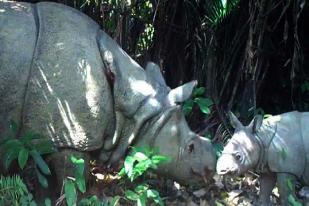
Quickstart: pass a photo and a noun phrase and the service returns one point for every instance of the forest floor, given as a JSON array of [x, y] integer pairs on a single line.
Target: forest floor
[[242, 191], [222, 191]]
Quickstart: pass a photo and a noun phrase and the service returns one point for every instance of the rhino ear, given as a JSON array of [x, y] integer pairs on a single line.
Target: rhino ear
[[181, 93], [256, 123], [234, 121]]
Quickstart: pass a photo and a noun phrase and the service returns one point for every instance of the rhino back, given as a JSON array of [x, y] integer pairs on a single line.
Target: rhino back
[[305, 134], [287, 151], [68, 98], [17, 30]]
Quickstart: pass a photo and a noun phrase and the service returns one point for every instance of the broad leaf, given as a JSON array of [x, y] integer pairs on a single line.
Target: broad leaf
[[141, 201], [155, 196], [79, 173], [70, 192], [114, 201], [204, 104], [42, 179], [47, 202], [199, 91], [128, 165], [39, 161], [131, 195], [23, 157], [141, 188]]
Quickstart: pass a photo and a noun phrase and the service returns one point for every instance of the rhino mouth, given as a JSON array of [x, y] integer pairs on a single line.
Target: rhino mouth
[[205, 176], [231, 172]]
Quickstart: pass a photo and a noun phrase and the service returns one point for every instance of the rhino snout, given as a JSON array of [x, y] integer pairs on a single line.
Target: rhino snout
[[210, 156], [224, 166]]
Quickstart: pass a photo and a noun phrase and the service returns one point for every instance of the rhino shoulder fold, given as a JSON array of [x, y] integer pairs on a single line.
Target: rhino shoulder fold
[[287, 145]]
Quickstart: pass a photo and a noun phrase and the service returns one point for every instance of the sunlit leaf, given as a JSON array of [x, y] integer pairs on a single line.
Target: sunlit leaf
[[204, 104], [141, 201], [155, 196], [131, 195], [128, 165], [70, 192], [141, 188], [139, 156]]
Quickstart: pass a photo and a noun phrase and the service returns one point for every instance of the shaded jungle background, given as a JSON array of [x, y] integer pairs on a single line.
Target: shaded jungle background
[[251, 56]]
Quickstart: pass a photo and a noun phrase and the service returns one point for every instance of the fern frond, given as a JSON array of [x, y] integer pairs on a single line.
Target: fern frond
[[13, 191]]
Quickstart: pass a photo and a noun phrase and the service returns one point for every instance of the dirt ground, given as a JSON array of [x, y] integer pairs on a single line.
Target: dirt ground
[[227, 191]]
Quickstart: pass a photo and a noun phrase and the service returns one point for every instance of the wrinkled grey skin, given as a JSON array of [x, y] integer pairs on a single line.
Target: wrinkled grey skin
[[63, 77], [276, 147]]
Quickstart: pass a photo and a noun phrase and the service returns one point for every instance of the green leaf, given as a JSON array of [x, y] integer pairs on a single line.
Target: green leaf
[[200, 91], [81, 183], [23, 157], [8, 157], [158, 159], [141, 201], [42, 179], [188, 106], [139, 156], [114, 201], [44, 146], [39, 161], [131, 195], [122, 172], [293, 201], [47, 202], [79, 173], [77, 161], [218, 147], [128, 165], [204, 104], [70, 192], [141, 188], [290, 184], [155, 196]]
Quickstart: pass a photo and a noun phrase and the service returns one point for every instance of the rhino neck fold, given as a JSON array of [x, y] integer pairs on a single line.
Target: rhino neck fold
[[34, 9], [264, 139]]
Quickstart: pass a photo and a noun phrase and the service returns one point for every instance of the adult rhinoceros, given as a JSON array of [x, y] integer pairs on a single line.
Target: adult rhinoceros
[[63, 77]]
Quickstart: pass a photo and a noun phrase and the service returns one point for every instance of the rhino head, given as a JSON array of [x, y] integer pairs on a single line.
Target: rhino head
[[193, 157], [242, 151]]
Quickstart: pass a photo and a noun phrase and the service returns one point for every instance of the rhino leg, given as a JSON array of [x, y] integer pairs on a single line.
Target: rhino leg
[[267, 183], [286, 187]]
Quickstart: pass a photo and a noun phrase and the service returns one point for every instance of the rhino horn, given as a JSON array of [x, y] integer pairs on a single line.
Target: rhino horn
[[234, 121], [181, 93], [256, 123]]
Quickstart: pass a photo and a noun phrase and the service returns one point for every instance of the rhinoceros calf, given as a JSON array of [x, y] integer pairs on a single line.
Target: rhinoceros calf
[[276, 147], [63, 77]]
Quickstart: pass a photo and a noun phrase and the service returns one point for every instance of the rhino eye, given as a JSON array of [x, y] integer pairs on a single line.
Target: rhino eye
[[191, 148], [238, 156]]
